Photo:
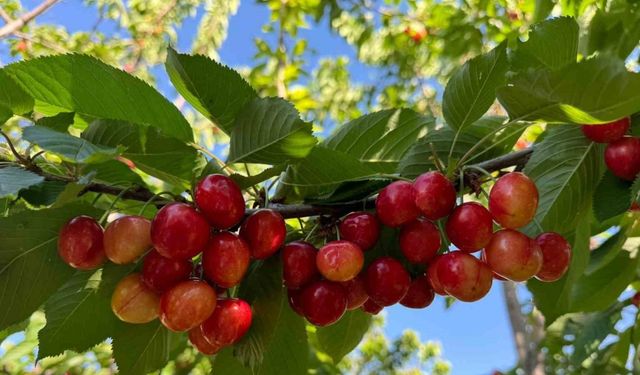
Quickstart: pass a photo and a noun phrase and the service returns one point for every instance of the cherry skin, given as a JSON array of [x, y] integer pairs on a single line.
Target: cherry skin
[[187, 305], [226, 259], [133, 302], [179, 231], [463, 276], [161, 274], [361, 228], [419, 241], [295, 301], [635, 300], [229, 322], [340, 260], [432, 275], [609, 132], [420, 294], [356, 292], [395, 204], [127, 238], [220, 200], [556, 256], [435, 195], [513, 255], [299, 264], [386, 281], [197, 339], [513, 200], [469, 227], [80, 243], [623, 157], [265, 232], [371, 307], [323, 302]]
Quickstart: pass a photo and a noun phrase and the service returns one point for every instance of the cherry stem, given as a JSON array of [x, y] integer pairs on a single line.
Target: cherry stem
[[479, 169], [104, 216], [436, 160], [311, 231], [153, 198]]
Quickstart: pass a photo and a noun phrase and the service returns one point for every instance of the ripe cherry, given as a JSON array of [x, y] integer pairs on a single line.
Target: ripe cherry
[[371, 307], [361, 228], [229, 322], [432, 275], [469, 227], [463, 276], [435, 195], [127, 238], [513, 255], [197, 339], [356, 292], [623, 157], [265, 232], [226, 259], [299, 264], [556, 256], [513, 200], [161, 274], [387, 281], [419, 295], [295, 300], [133, 302], [179, 231], [323, 302], [80, 243], [220, 200], [395, 204], [419, 241], [609, 132], [187, 305], [340, 260]]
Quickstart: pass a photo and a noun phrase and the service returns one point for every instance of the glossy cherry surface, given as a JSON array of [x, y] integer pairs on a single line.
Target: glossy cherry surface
[[556, 256], [179, 231], [432, 275], [419, 241], [356, 292], [299, 264], [371, 307], [513, 255], [387, 281], [513, 200], [197, 339], [295, 300], [323, 302], [435, 195], [225, 259], [469, 227], [133, 302], [220, 200], [187, 305], [161, 274], [609, 132], [340, 260], [127, 238], [229, 322], [463, 276], [395, 204], [80, 243], [419, 295], [361, 228], [265, 232], [623, 157]]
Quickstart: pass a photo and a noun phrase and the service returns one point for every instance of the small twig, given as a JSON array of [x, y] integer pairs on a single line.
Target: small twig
[[21, 21], [15, 152]]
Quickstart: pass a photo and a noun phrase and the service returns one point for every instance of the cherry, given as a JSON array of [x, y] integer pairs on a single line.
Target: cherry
[[371, 307], [220, 200], [265, 232], [435, 195], [432, 275], [513, 255], [298, 264], [295, 302], [513, 200], [609, 132], [356, 292], [623, 157], [395, 204], [133, 302], [483, 257], [340, 260], [161, 274], [127, 238], [419, 295], [179, 231], [635, 300], [556, 256], [419, 241], [469, 227], [187, 305], [361, 228], [386, 281], [229, 322], [226, 259], [463, 276], [80, 243], [197, 339], [323, 302]]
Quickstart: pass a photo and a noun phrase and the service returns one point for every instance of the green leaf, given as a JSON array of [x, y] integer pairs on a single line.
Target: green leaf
[[472, 88], [216, 91], [114, 173], [59, 122], [591, 330], [226, 363], [611, 197], [341, 338], [12, 96], [14, 179], [542, 9], [5, 114], [616, 31], [635, 190], [269, 131], [245, 182], [44, 193], [606, 252], [68, 147], [552, 44], [87, 86], [29, 259]]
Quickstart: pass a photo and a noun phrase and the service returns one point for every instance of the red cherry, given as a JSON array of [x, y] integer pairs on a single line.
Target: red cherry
[[513, 200], [361, 228], [387, 281], [420, 294], [469, 227], [229, 322], [435, 195], [513, 255], [179, 231], [356, 292], [226, 259], [187, 305], [371, 307], [432, 275], [463, 276], [340, 260], [80, 243], [635, 300], [323, 302], [127, 238], [197, 339], [623, 157], [295, 302], [265, 232], [161, 274], [395, 205], [419, 241], [220, 200], [483, 257], [609, 132], [298, 264], [556, 256], [133, 302]]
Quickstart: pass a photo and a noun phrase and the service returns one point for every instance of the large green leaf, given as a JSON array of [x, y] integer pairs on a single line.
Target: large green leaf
[[612, 197], [552, 43], [68, 147], [12, 96], [115, 173], [341, 338], [606, 252], [44, 193], [14, 179], [615, 31], [87, 86], [590, 331]]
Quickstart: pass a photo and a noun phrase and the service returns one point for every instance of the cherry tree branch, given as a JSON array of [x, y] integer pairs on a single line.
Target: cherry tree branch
[[17, 24]]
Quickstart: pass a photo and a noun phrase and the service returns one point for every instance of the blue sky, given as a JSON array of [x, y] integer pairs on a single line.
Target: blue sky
[[476, 337]]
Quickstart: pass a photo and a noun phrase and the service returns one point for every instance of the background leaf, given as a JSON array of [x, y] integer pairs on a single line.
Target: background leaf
[[341, 338], [611, 197], [14, 179], [552, 43], [68, 147]]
